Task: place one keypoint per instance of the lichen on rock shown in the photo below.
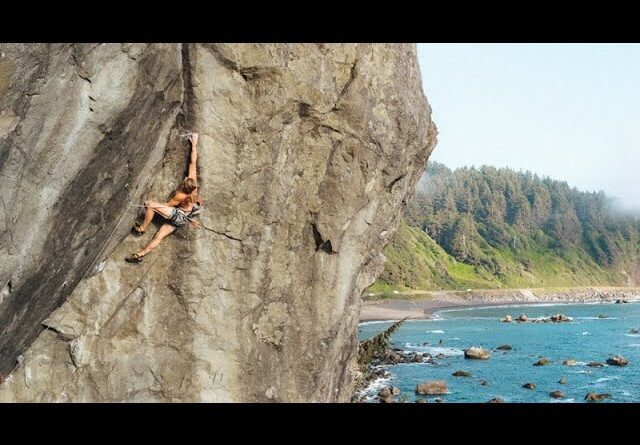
(271, 323)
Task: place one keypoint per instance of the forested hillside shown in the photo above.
(491, 227)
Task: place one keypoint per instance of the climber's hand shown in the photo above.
(193, 138)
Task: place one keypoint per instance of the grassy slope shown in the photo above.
(415, 261)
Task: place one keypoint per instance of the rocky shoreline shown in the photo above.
(376, 355)
(375, 367)
(422, 304)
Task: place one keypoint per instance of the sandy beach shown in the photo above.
(422, 304)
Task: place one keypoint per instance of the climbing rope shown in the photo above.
(130, 206)
(106, 243)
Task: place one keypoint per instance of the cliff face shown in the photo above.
(306, 155)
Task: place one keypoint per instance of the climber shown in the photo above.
(179, 211)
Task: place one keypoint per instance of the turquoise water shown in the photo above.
(587, 338)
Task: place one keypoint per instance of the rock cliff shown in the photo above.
(307, 153)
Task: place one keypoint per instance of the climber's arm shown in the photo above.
(194, 156)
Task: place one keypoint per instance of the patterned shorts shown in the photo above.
(178, 218)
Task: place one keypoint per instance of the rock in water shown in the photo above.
(595, 365)
(523, 317)
(496, 400)
(504, 348)
(306, 155)
(617, 360)
(507, 319)
(562, 381)
(542, 362)
(432, 387)
(593, 397)
(557, 394)
(395, 391)
(385, 392)
(386, 395)
(634, 331)
(569, 362)
(529, 386)
(476, 353)
(461, 374)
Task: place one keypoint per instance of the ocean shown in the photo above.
(588, 338)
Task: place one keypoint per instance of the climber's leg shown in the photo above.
(163, 231)
(154, 207)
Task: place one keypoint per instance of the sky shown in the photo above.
(568, 111)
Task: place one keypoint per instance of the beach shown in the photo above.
(422, 304)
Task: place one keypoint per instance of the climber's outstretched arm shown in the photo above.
(194, 156)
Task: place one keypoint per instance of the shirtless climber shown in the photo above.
(179, 211)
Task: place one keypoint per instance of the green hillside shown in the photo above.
(496, 228)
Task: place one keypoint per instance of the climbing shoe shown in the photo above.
(134, 258)
(137, 229)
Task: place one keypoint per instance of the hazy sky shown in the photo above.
(569, 111)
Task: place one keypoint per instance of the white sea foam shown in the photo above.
(374, 387)
(563, 401)
(365, 323)
(626, 393)
(437, 331)
(632, 335)
(634, 345)
(454, 338)
(597, 318)
(586, 333)
(606, 379)
(502, 306)
(433, 350)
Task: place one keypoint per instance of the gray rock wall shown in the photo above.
(306, 155)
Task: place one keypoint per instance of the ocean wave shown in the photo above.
(512, 306)
(421, 320)
(606, 379)
(632, 335)
(454, 338)
(437, 331)
(562, 401)
(374, 387)
(586, 333)
(634, 345)
(366, 323)
(597, 318)
(433, 350)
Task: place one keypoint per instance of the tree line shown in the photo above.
(471, 212)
